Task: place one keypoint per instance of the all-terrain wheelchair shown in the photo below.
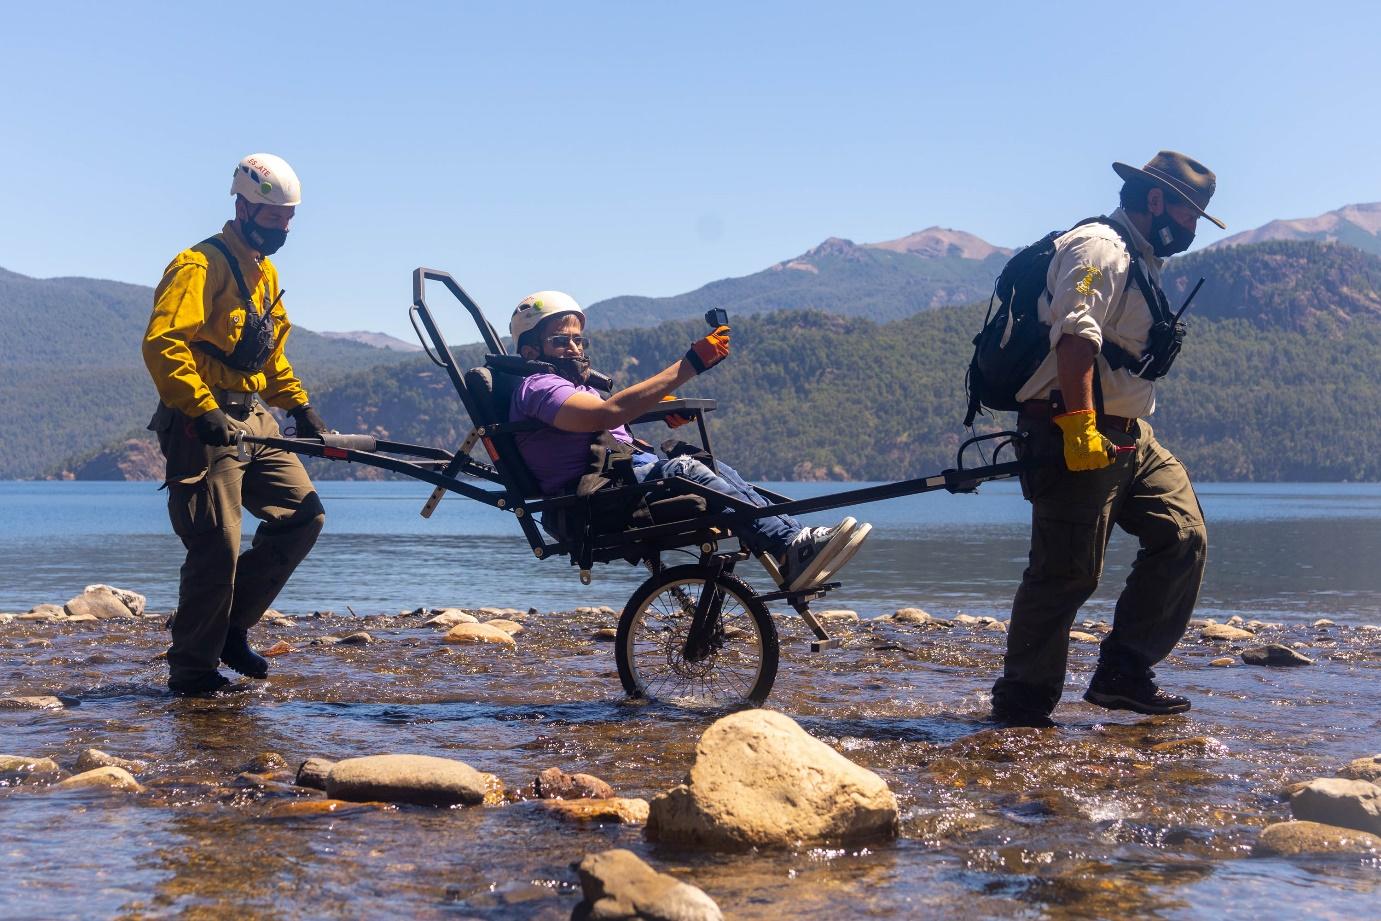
(694, 631)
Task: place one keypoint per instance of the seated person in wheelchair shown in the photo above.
(549, 326)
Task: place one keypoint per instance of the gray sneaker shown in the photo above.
(810, 551)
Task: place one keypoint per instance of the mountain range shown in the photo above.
(1352, 225)
(800, 365)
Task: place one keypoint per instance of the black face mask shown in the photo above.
(575, 370)
(1169, 237)
(266, 240)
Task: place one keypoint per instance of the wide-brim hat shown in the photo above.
(1185, 176)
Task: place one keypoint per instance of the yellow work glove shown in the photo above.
(1085, 446)
(674, 421)
(710, 351)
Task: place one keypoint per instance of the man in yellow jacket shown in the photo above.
(214, 347)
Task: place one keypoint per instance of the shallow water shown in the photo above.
(1087, 821)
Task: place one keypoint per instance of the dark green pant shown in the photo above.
(207, 487)
(1148, 495)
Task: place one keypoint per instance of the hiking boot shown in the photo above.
(1120, 691)
(839, 560)
(810, 551)
(1007, 717)
(239, 656)
(199, 686)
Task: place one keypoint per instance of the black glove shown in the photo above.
(309, 422)
(213, 428)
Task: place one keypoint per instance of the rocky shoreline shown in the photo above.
(756, 781)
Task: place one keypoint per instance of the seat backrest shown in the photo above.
(492, 392)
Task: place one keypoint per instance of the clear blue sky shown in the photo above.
(647, 148)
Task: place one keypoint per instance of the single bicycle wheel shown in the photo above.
(740, 664)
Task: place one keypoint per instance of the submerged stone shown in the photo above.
(475, 634)
(554, 783)
(613, 811)
(94, 758)
(313, 773)
(419, 779)
(1368, 768)
(1288, 839)
(1224, 632)
(109, 777)
(617, 885)
(1274, 654)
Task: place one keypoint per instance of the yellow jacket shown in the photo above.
(198, 299)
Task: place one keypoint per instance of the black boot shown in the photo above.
(238, 655)
(1016, 716)
(1120, 690)
(198, 686)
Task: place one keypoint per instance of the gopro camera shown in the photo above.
(717, 317)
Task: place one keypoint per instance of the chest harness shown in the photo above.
(256, 340)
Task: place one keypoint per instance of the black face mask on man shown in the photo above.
(575, 370)
(266, 240)
(1168, 236)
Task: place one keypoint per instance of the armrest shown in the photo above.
(690, 408)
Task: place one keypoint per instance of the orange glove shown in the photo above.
(709, 351)
(674, 421)
(1085, 446)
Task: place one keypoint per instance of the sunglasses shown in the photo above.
(563, 341)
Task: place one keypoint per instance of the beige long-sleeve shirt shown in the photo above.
(1089, 293)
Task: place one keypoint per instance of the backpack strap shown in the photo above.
(234, 268)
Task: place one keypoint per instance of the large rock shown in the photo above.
(1274, 654)
(110, 777)
(99, 602)
(914, 616)
(474, 634)
(1368, 768)
(1348, 803)
(618, 885)
(44, 612)
(419, 779)
(1223, 632)
(135, 602)
(1288, 839)
(760, 780)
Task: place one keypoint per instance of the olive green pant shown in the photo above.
(207, 487)
(1147, 493)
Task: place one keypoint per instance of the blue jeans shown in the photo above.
(771, 534)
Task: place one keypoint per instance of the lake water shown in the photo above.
(1277, 551)
(1110, 816)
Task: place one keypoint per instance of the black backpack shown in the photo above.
(1013, 341)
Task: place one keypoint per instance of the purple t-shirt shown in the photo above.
(555, 457)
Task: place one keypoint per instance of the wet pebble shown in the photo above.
(554, 783)
(913, 616)
(313, 773)
(280, 648)
(1332, 801)
(94, 758)
(109, 777)
(313, 807)
(617, 885)
(1368, 768)
(1224, 632)
(479, 634)
(1323, 622)
(837, 615)
(511, 627)
(358, 638)
(325, 641)
(1274, 654)
(25, 767)
(450, 617)
(266, 761)
(1223, 661)
(605, 635)
(1079, 636)
(611, 811)
(30, 703)
(422, 780)
(82, 619)
(1198, 745)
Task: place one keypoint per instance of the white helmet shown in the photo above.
(266, 180)
(535, 308)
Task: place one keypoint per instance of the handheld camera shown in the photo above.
(717, 317)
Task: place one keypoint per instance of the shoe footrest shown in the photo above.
(833, 642)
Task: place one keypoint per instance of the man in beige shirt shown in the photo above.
(1097, 462)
